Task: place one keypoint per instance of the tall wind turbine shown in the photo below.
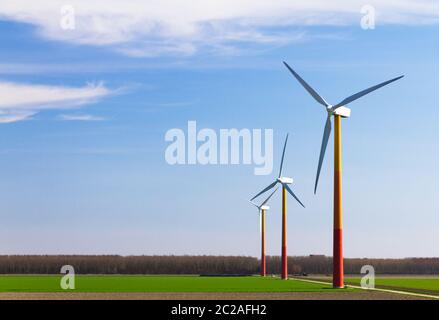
(338, 111)
(284, 181)
(262, 209)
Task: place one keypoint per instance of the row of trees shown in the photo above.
(323, 265)
(206, 265)
(129, 265)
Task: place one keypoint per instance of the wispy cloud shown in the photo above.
(80, 117)
(21, 101)
(144, 28)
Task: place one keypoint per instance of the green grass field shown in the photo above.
(426, 285)
(86, 283)
(159, 284)
(413, 284)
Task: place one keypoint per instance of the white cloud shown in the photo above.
(80, 117)
(22, 101)
(182, 27)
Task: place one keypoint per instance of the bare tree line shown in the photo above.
(205, 265)
(129, 265)
(323, 265)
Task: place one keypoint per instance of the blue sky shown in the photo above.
(84, 117)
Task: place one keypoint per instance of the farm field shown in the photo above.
(189, 287)
(416, 284)
(85, 283)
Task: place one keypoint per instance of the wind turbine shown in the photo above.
(338, 111)
(262, 209)
(284, 181)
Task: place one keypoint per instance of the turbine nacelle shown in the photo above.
(265, 208)
(285, 180)
(343, 112)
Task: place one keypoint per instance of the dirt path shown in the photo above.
(207, 296)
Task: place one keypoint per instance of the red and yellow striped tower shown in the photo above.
(337, 280)
(263, 262)
(284, 234)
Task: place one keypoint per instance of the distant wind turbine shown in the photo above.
(262, 208)
(338, 111)
(284, 181)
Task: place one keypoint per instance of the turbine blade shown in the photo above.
(364, 92)
(326, 134)
(294, 196)
(271, 186)
(266, 200)
(283, 155)
(254, 204)
(307, 87)
(260, 223)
